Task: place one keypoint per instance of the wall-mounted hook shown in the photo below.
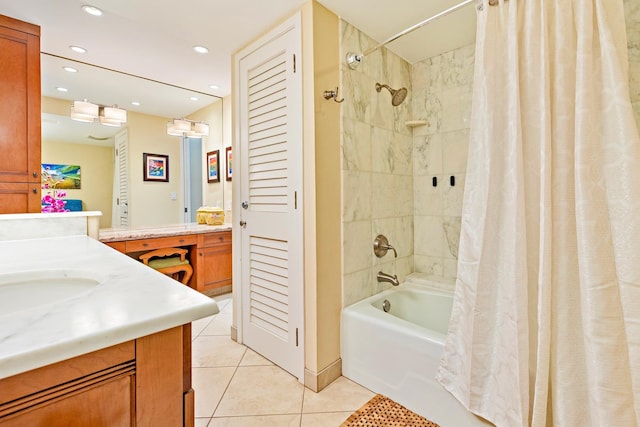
(328, 94)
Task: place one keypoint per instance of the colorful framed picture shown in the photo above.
(60, 176)
(229, 163)
(213, 166)
(156, 167)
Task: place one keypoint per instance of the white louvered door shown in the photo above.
(120, 213)
(270, 172)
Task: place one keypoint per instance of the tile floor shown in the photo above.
(236, 387)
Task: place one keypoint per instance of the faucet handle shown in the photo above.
(381, 246)
(395, 254)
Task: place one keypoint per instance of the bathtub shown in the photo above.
(397, 353)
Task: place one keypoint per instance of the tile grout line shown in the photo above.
(304, 390)
(228, 384)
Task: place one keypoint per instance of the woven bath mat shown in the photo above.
(384, 412)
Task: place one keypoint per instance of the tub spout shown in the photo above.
(384, 277)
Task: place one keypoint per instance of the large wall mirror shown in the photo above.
(112, 174)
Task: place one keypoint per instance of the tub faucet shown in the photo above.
(384, 277)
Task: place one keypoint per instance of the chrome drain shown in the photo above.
(386, 306)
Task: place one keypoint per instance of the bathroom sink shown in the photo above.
(32, 289)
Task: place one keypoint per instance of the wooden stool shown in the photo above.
(169, 261)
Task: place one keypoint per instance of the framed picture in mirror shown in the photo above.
(213, 166)
(156, 167)
(229, 164)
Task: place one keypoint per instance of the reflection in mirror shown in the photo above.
(111, 158)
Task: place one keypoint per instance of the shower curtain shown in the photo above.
(545, 327)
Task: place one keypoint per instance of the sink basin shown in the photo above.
(32, 289)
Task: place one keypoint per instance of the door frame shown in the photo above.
(187, 182)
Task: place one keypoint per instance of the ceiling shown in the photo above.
(154, 39)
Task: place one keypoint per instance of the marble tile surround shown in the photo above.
(377, 167)
(443, 87)
(377, 149)
(632, 18)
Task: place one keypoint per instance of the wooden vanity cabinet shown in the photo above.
(214, 253)
(209, 255)
(20, 122)
(144, 382)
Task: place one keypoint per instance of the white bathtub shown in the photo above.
(397, 353)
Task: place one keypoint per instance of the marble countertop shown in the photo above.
(131, 233)
(129, 301)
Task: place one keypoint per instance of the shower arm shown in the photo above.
(354, 59)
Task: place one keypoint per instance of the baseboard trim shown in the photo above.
(318, 381)
(234, 333)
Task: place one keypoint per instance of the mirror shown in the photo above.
(93, 146)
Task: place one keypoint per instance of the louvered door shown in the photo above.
(121, 175)
(270, 172)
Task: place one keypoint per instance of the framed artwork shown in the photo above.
(229, 164)
(65, 177)
(213, 166)
(155, 167)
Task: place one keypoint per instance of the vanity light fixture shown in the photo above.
(201, 49)
(92, 10)
(78, 49)
(85, 111)
(188, 128)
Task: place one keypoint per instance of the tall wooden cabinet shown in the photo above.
(19, 116)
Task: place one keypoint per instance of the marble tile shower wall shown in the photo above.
(377, 167)
(388, 168)
(442, 88)
(632, 15)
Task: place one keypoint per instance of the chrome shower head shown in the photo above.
(397, 95)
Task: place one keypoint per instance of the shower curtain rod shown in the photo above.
(354, 59)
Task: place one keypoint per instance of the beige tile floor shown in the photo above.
(236, 387)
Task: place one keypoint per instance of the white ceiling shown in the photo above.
(154, 39)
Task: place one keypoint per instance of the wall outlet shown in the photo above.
(173, 195)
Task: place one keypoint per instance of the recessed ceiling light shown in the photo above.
(70, 69)
(194, 98)
(92, 10)
(62, 89)
(78, 49)
(200, 49)
(214, 87)
(136, 103)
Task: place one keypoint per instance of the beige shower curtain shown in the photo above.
(545, 328)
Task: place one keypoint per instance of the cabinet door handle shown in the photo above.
(35, 174)
(145, 244)
(35, 190)
(181, 240)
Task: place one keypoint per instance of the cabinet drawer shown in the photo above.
(48, 377)
(212, 239)
(118, 246)
(160, 242)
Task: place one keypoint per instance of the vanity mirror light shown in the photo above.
(111, 158)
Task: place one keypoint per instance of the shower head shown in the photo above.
(397, 95)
